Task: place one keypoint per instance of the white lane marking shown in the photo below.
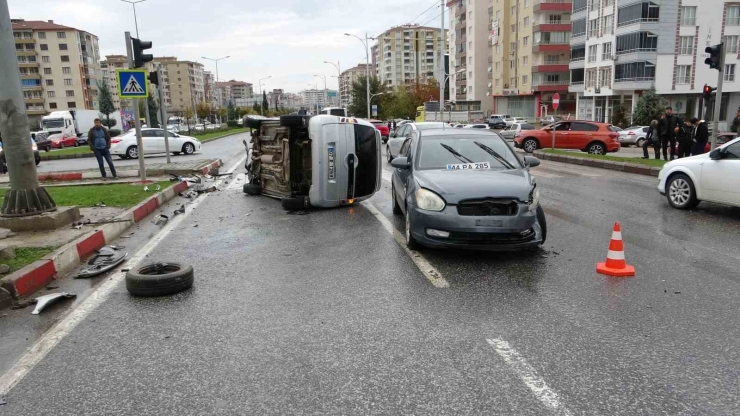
(236, 182)
(51, 338)
(429, 271)
(529, 376)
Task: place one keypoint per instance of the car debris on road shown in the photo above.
(43, 301)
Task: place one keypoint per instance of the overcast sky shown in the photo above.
(285, 39)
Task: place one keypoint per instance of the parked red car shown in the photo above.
(61, 140)
(587, 136)
(383, 128)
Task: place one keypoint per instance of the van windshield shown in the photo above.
(53, 123)
(366, 150)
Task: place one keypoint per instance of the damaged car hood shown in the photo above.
(456, 186)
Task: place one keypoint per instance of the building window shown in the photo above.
(49, 82)
(66, 70)
(498, 14)
(42, 35)
(592, 51)
(61, 35)
(638, 12)
(513, 83)
(636, 42)
(526, 3)
(512, 46)
(688, 16)
(733, 16)
(686, 45)
(525, 41)
(52, 106)
(45, 59)
(594, 5)
(511, 64)
(498, 66)
(71, 104)
(65, 58)
(498, 49)
(52, 94)
(44, 47)
(68, 81)
(70, 93)
(470, 59)
(62, 46)
(47, 71)
(526, 21)
(578, 28)
(604, 77)
(593, 28)
(684, 74)
(498, 83)
(606, 51)
(608, 3)
(634, 72)
(729, 72)
(607, 25)
(731, 44)
(513, 10)
(524, 80)
(513, 28)
(525, 61)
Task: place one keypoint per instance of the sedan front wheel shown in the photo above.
(529, 145)
(597, 149)
(188, 148)
(681, 192)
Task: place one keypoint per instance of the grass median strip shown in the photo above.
(114, 195)
(25, 256)
(635, 160)
(218, 134)
(69, 151)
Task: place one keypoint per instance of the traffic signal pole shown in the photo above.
(137, 115)
(718, 98)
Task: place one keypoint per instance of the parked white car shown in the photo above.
(708, 177)
(520, 120)
(477, 126)
(125, 147)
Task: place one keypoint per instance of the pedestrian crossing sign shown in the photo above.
(132, 83)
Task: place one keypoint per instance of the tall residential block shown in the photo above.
(470, 54)
(108, 68)
(59, 67)
(407, 53)
(347, 78)
(184, 82)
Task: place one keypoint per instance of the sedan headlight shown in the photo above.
(534, 199)
(429, 201)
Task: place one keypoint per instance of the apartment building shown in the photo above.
(531, 46)
(234, 91)
(471, 47)
(324, 98)
(348, 78)
(59, 67)
(164, 82)
(407, 53)
(209, 89)
(108, 69)
(184, 82)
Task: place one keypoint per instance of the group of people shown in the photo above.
(691, 135)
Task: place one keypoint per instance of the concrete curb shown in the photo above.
(85, 155)
(38, 275)
(602, 164)
(75, 176)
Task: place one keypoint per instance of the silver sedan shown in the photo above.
(634, 135)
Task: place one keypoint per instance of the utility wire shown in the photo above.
(436, 3)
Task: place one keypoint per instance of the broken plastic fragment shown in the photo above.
(181, 210)
(161, 219)
(43, 301)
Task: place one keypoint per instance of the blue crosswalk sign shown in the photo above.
(132, 83)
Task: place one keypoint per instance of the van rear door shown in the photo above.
(367, 152)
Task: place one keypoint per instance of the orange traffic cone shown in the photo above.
(615, 264)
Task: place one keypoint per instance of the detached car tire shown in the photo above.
(292, 121)
(252, 189)
(159, 279)
(295, 203)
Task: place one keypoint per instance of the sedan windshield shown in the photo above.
(481, 151)
(430, 126)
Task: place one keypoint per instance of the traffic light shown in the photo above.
(715, 56)
(140, 58)
(708, 92)
(153, 78)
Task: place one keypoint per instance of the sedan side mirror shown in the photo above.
(531, 161)
(401, 163)
(715, 154)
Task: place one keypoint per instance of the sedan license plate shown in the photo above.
(489, 223)
(469, 166)
(332, 171)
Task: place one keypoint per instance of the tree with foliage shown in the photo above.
(648, 108)
(223, 113)
(231, 110)
(105, 103)
(358, 107)
(203, 110)
(257, 108)
(265, 104)
(188, 114)
(153, 112)
(619, 115)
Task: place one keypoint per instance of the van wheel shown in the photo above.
(530, 145)
(396, 207)
(252, 189)
(295, 203)
(292, 121)
(253, 123)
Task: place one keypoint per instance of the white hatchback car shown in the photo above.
(708, 177)
(125, 147)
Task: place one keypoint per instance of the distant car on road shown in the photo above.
(588, 136)
(125, 147)
(634, 135)
(706, 177)
(520, 120)
(466, 188)
(62, 140)
(497, 123)
(550, 119)
(383, 128)
(42, 141)
(478, 126)
(4, 164)
(510, 132)
(408, 130)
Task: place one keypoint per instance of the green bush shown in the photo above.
(114, 132)
(232, 124)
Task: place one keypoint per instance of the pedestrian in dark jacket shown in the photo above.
(700, 136)
(652, 139)
(685, 139)
(99, 140)
(668, 128)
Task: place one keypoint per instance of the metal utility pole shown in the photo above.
(262, 110)
(163, 112)
(718, 98)
(216, 81)
(136, 24)
(339, 80)
(442, 62)
(326, 94)
(25, 197)
(137, 115)
(367, 67)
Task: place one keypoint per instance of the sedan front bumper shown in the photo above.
(493, 233)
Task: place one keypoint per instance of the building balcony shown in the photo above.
(25, 52)
(30, 76)
(576, 86)
(35, 111)
(551, 47)
(552, 5)
(577, 63)
(461, 96)
(461, 40)
(28, 64)
(560, 66)
(632, 84)
(552, 27)
(550, 86)
(32, 87)
(24, 40)
(461, 24)
(35, 100)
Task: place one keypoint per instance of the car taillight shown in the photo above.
(632, 133)
(114, 141)
(613, 135)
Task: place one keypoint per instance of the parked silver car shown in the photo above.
(510, 132)
(408, 130)
(634, 135)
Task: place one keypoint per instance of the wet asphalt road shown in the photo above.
(215, 149)
(325, 314)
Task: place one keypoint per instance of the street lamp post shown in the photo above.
(326, 95)
(133, 4)
(367, 67)
(262, 109)
(339, 80)
(375, 95)
(216, 61)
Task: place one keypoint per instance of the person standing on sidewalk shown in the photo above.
(668, 129)
(99, 140)
(652, 139)
(685, 138)
(700, 136)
